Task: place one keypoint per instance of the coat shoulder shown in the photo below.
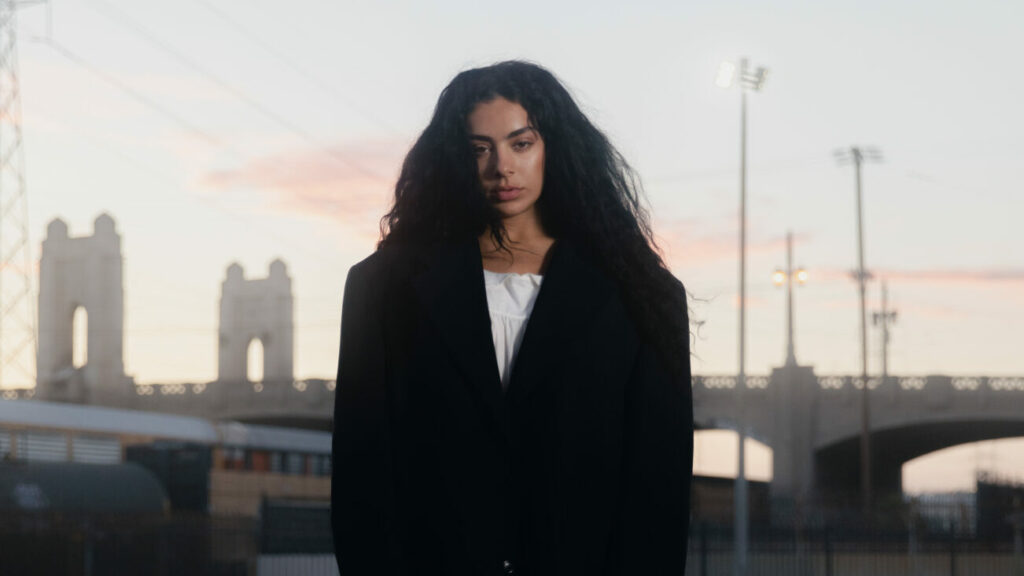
(389, 263)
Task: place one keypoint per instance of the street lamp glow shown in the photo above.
(779, 277)
(787, 277)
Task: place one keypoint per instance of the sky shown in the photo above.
(228, 131)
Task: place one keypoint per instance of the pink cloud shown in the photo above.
(753, 301)
(966, 276)
(952, 275)
(905, 308)
(685, 247)
(351, 185)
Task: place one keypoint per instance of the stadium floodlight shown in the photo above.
(726, 75)
(729, 76)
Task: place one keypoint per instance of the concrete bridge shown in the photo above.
(812, 423)
(298, 404)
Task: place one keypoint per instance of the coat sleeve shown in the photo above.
(362, 480)
(652, 535)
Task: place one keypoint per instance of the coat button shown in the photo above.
(508, 568)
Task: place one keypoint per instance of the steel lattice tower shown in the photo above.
(17, 313)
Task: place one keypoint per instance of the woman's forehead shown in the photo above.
(498, 118)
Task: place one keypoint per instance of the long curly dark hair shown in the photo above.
(590, 194)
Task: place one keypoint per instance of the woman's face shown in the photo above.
(509, 156)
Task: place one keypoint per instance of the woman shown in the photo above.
(469, 440)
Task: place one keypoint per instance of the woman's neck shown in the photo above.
(528, 243)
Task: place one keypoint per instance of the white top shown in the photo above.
(510, 299)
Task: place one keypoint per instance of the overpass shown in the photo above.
(812, 423)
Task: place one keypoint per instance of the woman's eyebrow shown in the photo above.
(512, 134)
(515, 133)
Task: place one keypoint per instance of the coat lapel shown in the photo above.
(571, 293)
(452, 291)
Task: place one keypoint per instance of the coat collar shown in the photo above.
(452, 291)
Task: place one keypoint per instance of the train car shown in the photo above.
(237, 465)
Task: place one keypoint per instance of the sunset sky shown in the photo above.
(224, 131)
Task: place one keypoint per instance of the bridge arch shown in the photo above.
(957, 468)
(255, 361)
(729, 424)
(837, 464)
(79, 337)
(715, 454)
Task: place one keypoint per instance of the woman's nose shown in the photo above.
(504, 163)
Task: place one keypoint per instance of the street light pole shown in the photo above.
(858, 156)
(747, 80)
(787, 276)
(741, 498)
(790, 352)
(865, 437)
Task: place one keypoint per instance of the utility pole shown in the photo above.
(746, 79)
(884, 318)
(857, 156)
(17, 310)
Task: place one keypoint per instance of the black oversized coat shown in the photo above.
(581, 467)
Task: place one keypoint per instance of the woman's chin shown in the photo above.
(513, 209)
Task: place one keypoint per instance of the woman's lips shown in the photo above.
(506, 194)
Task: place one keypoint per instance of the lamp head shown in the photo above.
(779, 277)
(726, 75)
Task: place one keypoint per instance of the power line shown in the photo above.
(123, 20)
(174, 185)
(312, 78)
(98, 142)
(234, 215)
(156, 107)
(134, 94)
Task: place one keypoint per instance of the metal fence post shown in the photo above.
(828, 553)
(952, 549)
(704, 548)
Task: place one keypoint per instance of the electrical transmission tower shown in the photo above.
(17, 314)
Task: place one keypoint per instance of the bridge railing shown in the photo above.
(847, 382)
(199, 388)
(711, 382)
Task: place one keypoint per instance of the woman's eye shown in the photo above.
(522, 144)
(480, 150)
